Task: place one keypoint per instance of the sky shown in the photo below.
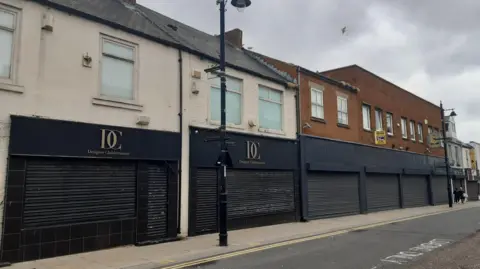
(428, 47)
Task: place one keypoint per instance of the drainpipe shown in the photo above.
(180, 116)
(298, 99)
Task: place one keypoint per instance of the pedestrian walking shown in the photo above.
(456, 196)
(462, 195)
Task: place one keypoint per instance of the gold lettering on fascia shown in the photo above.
(253, 153)
(110, 143)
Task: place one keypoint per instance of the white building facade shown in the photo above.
(96, 111)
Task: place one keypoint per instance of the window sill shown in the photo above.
(229, 125)
(367, 130)
(343, 125)
(110, 102)
(414, 141)
(271, 131)
(318, 120)
(405, 138)
(390, 135)
(11, 88)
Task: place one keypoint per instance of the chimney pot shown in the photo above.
(235, 37)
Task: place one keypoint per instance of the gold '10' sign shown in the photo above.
(253, 150)
(110, 139)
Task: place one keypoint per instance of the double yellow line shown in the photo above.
(295, 241)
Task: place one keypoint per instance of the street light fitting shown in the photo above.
(241, 4)
(453, 114)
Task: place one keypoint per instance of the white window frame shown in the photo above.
(366, 125)
(130, 45)
(282, 117)
(440, 135)
(240, 92)
(315, 104)
(403, 123)
(341, 113)
(430, 130)
(11, 83)
(420, 132)
(378, 119)
(412, 130)
(389, 115)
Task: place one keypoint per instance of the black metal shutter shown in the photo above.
(439, 190)
(253, 193)
(383, 192)
(332, 194)
(152, 203)
(472, 189)
(206, 202)
(68, 191)
(415, 191)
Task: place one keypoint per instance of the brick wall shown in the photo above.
(328, 127)
(379, 93)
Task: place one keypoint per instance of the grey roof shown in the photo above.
(147, 23)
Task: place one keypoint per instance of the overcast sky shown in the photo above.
(428, 47)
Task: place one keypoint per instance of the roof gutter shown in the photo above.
(153, 38)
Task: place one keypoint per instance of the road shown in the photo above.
(391, 246)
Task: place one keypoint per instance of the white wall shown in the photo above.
(53, 83)
(466, 158)
(196, 112)
(452, 127)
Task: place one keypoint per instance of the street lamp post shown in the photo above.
(445, 148)
(224, 155)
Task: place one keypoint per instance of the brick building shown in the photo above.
(319, 96)
(350, 103)
(407, 118)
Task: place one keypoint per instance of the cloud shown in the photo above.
(427, 47)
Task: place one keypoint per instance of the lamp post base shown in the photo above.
(223, 240)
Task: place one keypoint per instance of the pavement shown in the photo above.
(345, 242)
(390, 246)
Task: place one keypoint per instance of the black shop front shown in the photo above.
(262, 184)
(76, 187)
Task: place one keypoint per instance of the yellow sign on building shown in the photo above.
(473, 159)
(434, 141)
(380, 137)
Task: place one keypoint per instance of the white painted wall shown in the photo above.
(196, 112)
(452, 127)
(466, 158)
(53, 83)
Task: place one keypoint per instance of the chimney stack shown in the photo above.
(235, 37)
(131, 2)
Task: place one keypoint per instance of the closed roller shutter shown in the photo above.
(472, 189)
(415, 191)
(253, 193)
(206, 203)
(383, 192)
(152, 204)
(61, 191)
(439, 190)
(332, 194)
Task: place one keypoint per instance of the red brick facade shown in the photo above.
(387, 97)
(373, 91)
